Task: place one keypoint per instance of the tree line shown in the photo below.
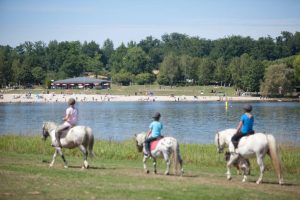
(267, 64)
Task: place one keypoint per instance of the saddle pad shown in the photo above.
(153, 144)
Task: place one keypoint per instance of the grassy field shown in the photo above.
(143, 90)
(116, 173)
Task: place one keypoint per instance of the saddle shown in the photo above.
(154, 143)
(237, 141)
(65, 131)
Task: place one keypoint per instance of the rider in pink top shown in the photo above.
(71, 116)
(70, 120)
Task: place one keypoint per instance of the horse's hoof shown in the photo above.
(258, 182)
(229, 178)
(167, 173)
(155, 172)
(147, 171)
(85, 164)
(66, 166)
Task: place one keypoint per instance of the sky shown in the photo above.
(134, 20)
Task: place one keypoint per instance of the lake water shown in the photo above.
(189, 122)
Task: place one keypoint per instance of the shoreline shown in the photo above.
(61, 98)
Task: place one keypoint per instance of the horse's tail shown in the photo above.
(274, 157)
(176, 156)
(90, 141)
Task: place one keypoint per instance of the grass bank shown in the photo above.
(116, 173)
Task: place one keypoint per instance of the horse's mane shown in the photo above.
(50, 125)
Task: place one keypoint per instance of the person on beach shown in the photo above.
(154, 132)
(70, 120)
(245, 126)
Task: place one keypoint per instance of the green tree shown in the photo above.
(144, 78)
(277, 80)
(5, 66)
(222, 74)
(90, 49)
(296, 66)
(170, 72)
(153, 48)
(188, 66)
(206, 71)
(246, 73)
(135, 60)
(123, 78)
(94, 64)
(107, 50)
(38, 74)
(264, 49)
(73, 66)
(116, 61)
(24, 74)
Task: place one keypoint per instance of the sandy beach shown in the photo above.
(52, 98)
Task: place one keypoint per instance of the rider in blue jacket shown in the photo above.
(245, 126)
(154, 132)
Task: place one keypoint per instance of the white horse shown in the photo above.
(258, 145)
(166, 146)
(78, 136)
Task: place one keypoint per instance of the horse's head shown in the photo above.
(140, 139)
(46, 128)
(45, 132)
(219, 142)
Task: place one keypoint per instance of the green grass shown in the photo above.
(116, 173)
(143, 89)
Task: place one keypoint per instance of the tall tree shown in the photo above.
(135, 60)
(107, 50)
(222, 74)
(296, 66)
(170, 72)
(116, 61)
(206, 71)
(5, 66)
(246, 73)
(277, 80)
(90, 49)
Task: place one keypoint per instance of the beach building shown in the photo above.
(81, 82)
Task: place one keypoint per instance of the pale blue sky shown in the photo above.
(126, 20)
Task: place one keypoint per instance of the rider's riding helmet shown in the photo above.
(71, 101)
(247, 108)
(156, 116)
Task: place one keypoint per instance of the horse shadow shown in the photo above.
(80, 167)
(275, 183)
(91, 167)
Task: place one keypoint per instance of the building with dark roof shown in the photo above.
(81, 82)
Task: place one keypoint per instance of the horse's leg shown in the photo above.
(181, 164)
(145, 166)
(261, 165)
(154, 165)
(244, 175)
(232, 158)
(62, 156)
(53, 158)
(85, 154)
(167, 159)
